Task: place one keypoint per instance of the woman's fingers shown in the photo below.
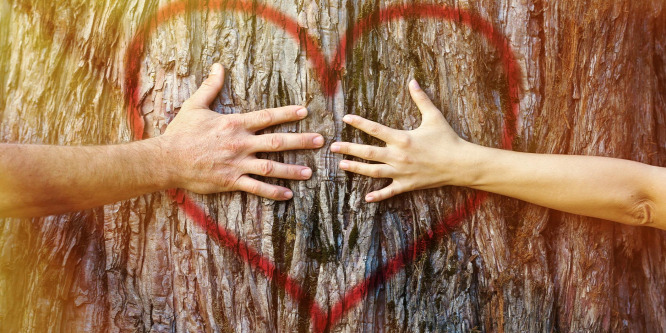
(383, 194)
(374, 171)
(410, 157)
(366, 152)
(247, 184)
(377, 130)
(274, 169)
(367, 169)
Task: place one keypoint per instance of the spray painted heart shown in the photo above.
(328, 77)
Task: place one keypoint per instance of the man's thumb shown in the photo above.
(209, 89)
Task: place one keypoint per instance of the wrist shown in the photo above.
(470, 164)
(163, 162)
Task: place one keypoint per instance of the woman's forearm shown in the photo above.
(607, 188)
(434, 155)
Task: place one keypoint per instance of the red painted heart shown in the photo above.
(328, 74)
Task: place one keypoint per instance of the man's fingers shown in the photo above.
(366, 169)
(428, 110)
(274, 169)
(383, 194)
(286, 141)
(251, 185)
(367, 152)
(258, 120)
(377, 130)
(209, 89)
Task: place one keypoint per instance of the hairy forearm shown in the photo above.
(613, 189)
(41, 180)
(201, 151)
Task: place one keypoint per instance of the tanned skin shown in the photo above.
(201, 151)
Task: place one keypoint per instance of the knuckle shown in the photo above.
(376, 173)
(206, 84)
(267, 168)
(274, 193)
(404, 158)
(421, 97)
(255, 188)
(235, 146)
(230, 123)
(226, 183)
(209, 83)
(275, 142)
(369, 154)
(403, 140)
(305, 141)
(374, 129)
(265, 117)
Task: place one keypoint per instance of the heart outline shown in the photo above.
(327, 74)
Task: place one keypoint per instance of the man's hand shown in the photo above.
(201, 150)
(209, 152)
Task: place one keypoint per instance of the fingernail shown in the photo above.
(415, 85)
(347, 118)
(288, 194)
(344, 165)
(318, 141)
(216, 69)
(302, 112)
(335, 147)
(306, 173)
(369, 198)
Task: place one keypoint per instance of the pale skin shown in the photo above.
(433, 155)
(201, 151)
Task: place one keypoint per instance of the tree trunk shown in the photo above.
(593, 81)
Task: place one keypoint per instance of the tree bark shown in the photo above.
(593, 82)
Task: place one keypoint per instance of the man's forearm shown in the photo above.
(606, 188)
(40, 180)
(201, 151)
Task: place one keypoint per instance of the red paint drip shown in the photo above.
(328, 75)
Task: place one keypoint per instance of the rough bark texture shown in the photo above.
(594, 82)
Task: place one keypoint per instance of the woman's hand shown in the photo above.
(432, 155)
